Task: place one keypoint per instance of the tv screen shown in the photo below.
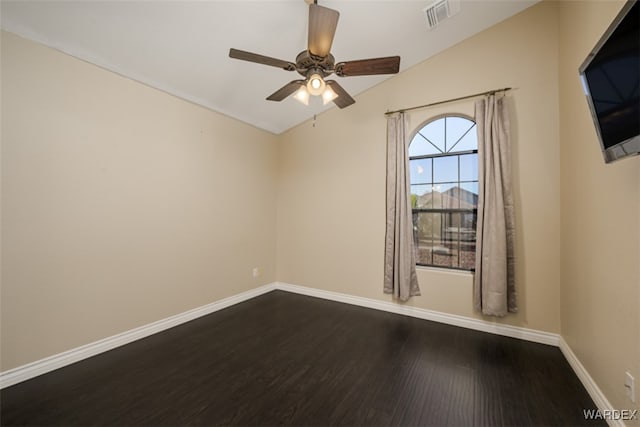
(611, 80)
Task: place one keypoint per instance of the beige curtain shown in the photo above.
(399, 258)
(494, 280)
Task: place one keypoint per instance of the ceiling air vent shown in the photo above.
(440, 10)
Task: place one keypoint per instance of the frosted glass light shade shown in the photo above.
(302, 95)
(328, 95)
(316, 84)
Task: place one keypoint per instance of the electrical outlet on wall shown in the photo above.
(630, 386)
(256, 271)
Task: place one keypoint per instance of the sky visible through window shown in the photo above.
(454, 134)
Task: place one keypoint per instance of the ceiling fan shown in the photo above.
(316, 63)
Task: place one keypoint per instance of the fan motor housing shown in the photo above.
(305, 62)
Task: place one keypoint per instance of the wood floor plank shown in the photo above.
(286, 359)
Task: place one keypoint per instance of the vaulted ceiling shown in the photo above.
(182, 47)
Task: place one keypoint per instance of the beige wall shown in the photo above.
(331, 215)
(121, 205)
(600, 222)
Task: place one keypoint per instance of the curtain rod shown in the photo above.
(489, 92)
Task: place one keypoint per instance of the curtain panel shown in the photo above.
(400, 277)
(494, 280)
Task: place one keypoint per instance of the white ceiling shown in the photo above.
(182, 47)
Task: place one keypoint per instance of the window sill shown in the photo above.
(465, 273)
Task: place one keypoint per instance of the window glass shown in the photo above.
(443, 164)
(434, 133)
(468, 167)
(420, 171)
(421, 147)
(445, 169)
(468, 142)
(457, 127)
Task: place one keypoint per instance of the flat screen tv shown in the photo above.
(611, 80)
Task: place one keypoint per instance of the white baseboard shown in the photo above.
(594, 391)
(421, 313)
(48, 364)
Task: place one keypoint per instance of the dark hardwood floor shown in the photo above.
(286, 359)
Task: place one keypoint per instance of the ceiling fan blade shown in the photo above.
(261, 59)
(368, 67)
(344, 99)
(322, 27)
(285, 90)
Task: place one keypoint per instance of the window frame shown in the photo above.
(443, 210)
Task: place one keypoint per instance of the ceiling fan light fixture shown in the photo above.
(316, 84)
(328, 95)
(316, 62)
(302, 95)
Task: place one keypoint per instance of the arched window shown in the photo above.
(443, 161)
